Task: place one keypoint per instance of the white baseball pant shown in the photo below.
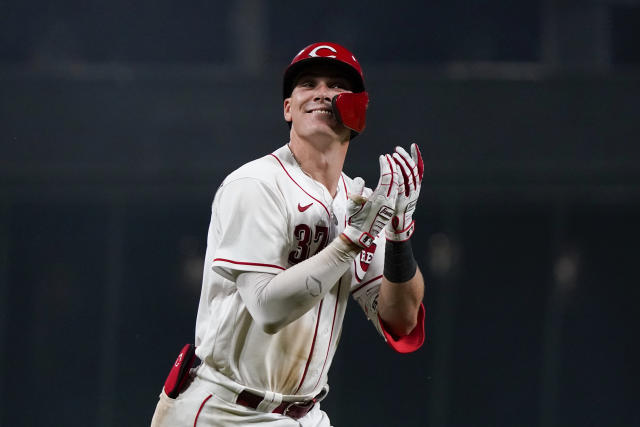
(203, 403)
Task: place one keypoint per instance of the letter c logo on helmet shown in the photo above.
(314, 52)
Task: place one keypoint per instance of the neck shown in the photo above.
(323, 162)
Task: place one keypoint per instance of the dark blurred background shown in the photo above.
(119, 120)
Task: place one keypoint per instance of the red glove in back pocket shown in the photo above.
(179, 373)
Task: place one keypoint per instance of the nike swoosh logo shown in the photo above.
(304, 208)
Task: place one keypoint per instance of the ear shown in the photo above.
(287, 109)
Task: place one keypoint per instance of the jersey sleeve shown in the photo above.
(250, 229)
(365, 289)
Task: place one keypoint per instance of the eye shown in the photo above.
(339, 84)
(305, 83)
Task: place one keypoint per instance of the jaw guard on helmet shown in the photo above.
(351, 110)
(348, 108)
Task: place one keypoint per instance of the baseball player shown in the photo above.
(291, 239)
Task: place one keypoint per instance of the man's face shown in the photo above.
(309, 106)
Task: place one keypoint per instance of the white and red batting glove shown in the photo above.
(411, 169)
(368, 216)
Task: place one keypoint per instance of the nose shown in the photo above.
(322, 92)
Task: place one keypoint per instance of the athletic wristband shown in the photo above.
(399, 263)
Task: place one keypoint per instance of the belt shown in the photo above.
(294, 410)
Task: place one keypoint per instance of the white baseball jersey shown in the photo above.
(267, 216)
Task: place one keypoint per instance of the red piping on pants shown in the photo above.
(201, 406)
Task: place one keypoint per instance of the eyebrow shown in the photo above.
(333, 74)
(316, 74)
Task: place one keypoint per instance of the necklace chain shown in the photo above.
(323, 189)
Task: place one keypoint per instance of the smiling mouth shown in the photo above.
(322, 112)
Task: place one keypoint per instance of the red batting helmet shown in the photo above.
(324, 53)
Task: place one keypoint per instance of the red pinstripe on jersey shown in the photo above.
(366, 283)
(333, 323)
(346, 195)
(248, 263)
(296, 183)
(313, 344)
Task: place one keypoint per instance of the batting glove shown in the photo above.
(368, 216)
(411, 168)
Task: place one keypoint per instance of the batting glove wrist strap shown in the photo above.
(367, 217)
(362, 239)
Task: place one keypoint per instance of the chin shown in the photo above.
(323, 131)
